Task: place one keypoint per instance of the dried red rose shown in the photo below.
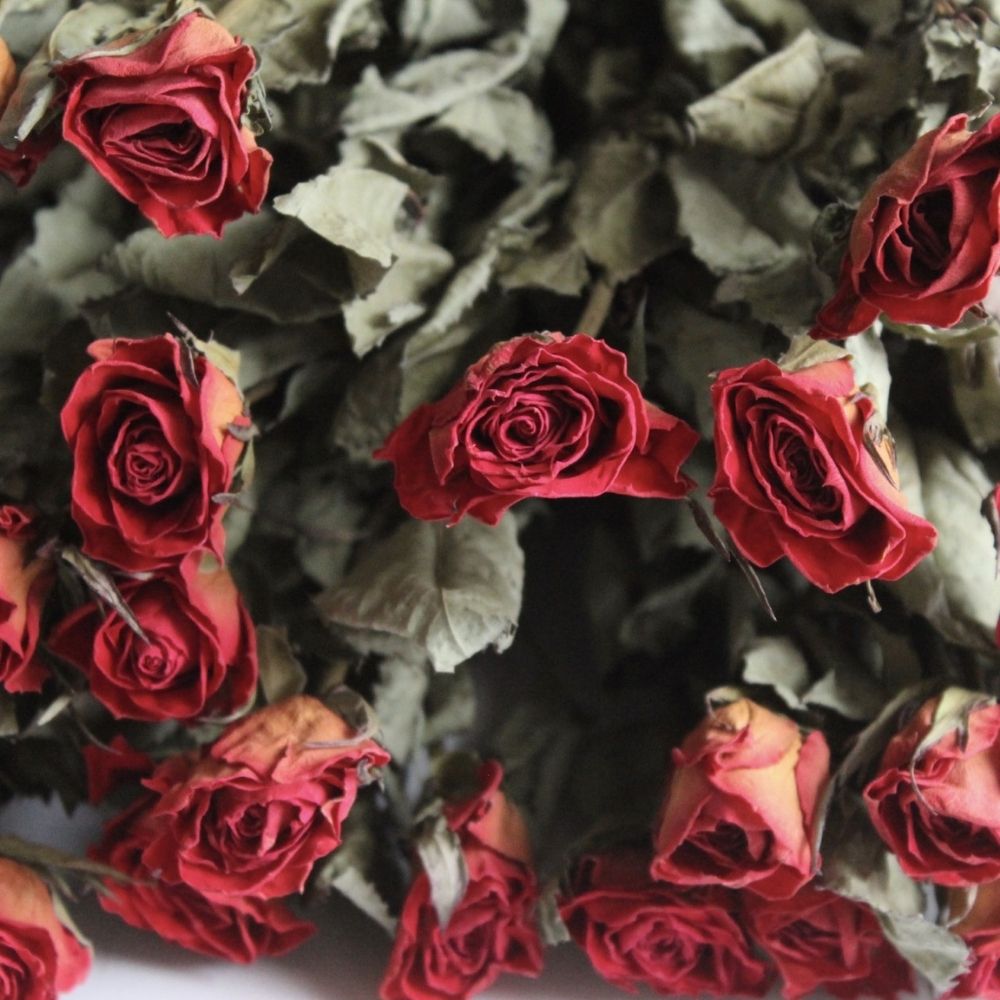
(197, 656)
(19, 163)
(493, 929)
(24, 584)
(937, 806)
(150, 427)
(741, 805)
(539, 416)
(820, 940)
(637, 932)
(804, 470)
(162, 125)
(239, 929)
(925, 243)
(39, 957)
(251, 815)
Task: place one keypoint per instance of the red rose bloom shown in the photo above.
(980, 929)
(198, 657)
(251, 815)
(821, 940)
(24, 585)
(108, 767)
(235, 928)
(149, 425)
(804, 471)
(39, 957)
(162, 125)
(493, 928)
(939, 809)
(678, 942)
(925, 243)
(741, 806)
(540, 416)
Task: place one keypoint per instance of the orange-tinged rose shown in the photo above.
(38, 955)
(8, 74)
(741, 806)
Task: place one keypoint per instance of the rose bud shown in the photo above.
(980, 929)
(107, 767)
(493, 928)
(804, 470)
(196, 658)
(150, 426)
(820, 940)
(24, 584)
(293, 767)
(936, 805)
(235, 928)
(162, 125)
(741, 804)
(19, 163)
(678, 942)
(39, 957)
(925, 243)
(539, 416)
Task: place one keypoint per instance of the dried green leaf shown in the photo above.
(760, 113)
(329, 205)
(620, 210)
(443, 862)
(281, 674)
(430, 86)
(779, 663)
(398, 698)
(428, 590)
(298, 40)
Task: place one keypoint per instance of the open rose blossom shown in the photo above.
(39, 957)
(678, 942)
(820, 940)
(239, 929)
(539, 416)
(252, 813)
(925, 243)
(162, 125)
(804, 470)
(741, 805)
(197, 656)
(24, 584)
(939, 809)
(150, 425)
(493, 929)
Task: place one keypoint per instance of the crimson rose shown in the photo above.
(821, 940)
(24, 585)
(937, 807)
(539, 416)
(39, 957)
(150, 427)
(162, 125)
(236, 928)
(493, 928)
(925, 243)
(804, 470)
(741, 805)
(198, 656)
(678, 942)
(252, 813)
